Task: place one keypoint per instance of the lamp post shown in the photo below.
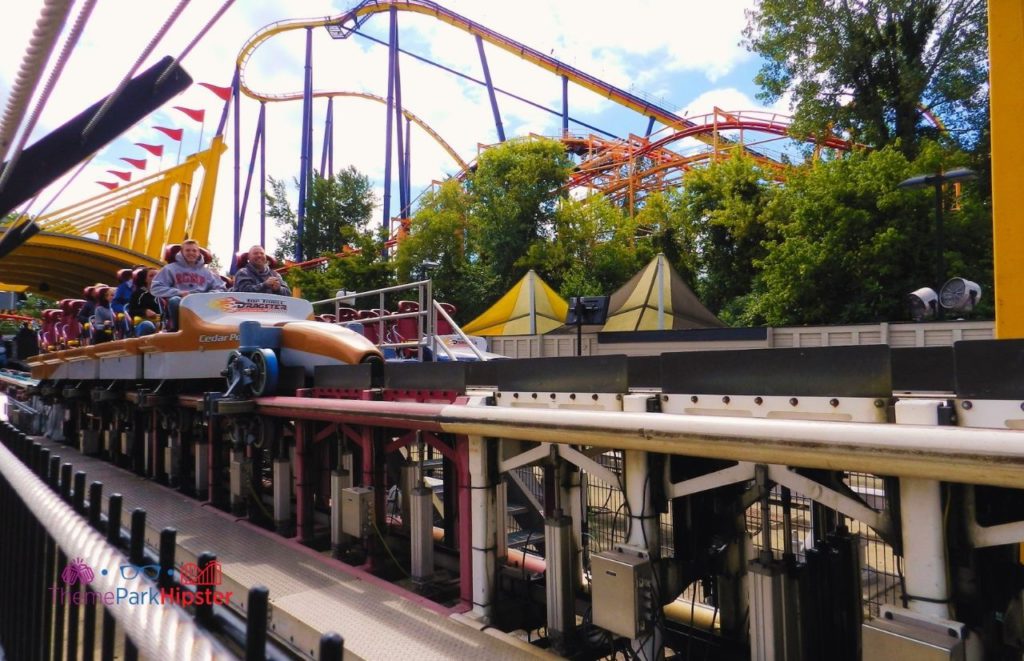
(937, 180)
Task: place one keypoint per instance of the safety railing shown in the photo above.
(76, 585)
(425, 324)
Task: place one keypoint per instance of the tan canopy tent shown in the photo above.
(656, 298)
(531, 307)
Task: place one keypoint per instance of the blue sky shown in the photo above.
(683, 55)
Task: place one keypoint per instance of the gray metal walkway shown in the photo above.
(310, 594)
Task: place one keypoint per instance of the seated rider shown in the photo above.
(257, 276)
(143, 307)
(103, 319)
(187, 274)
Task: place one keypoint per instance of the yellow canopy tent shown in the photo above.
(656, 298)
(531, 307)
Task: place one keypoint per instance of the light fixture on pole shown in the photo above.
(936, 181)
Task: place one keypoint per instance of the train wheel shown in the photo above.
(265, 372)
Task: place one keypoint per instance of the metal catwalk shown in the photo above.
(310, 594)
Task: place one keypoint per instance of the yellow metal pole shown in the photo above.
(199, 223)
(1006, 77)
(140, 231)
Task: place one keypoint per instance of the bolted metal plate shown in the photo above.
(426, 376)
(923, 369)
(990, 369)
(859, 371)
(580, 374)
(482, 372)
(354, 377)
(644, 371)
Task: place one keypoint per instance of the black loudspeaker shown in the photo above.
(587, 310)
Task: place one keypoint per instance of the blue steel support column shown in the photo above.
(228, 104)
(304, 159)
(650, 126)
(238, 149)
(263, 184)
(328, 137)
(260, 125)
(408, 168)
(386, 221)
(490, 90)
(565, 105)
(400, 153)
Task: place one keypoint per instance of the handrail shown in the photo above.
(952, 454)
(159, 631)
(426, 328)
(458, 331)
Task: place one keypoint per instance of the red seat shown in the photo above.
(346, 314)
(71, 329)
(443, 327)
(326, 318)
(372, 327)
(48, 332)
(242, 258)
(407, 328)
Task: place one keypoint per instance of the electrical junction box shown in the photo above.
(622, 592)
(356, 511)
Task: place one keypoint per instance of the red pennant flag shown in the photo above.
(173, 134)
(140, 163)
(198, 115)
(123, 176)
(223, 92)
(109, 185)
(155, 150)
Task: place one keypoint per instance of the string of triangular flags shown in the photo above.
(175, 134)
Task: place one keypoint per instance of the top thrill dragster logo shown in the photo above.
(232, 305)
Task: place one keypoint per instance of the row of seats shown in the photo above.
(398, 330)
(61, 328)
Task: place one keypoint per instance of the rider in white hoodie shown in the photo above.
(187, 274)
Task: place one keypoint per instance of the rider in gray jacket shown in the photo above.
(257, 276)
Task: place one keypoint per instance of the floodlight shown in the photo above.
(923, 303)
(959, 295)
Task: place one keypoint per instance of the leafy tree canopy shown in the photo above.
(513, 196)
(361, 269)
(337, 208)
(869, 66)
(724, 229)
(850, 245)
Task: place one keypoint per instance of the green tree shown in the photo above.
(363, 268)
(592, 249)
(851, 244)
(441, 245)
(870, 67)
(514, 193)
(336, 209)
(725, 230)
(662, 227)
(474, 237)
